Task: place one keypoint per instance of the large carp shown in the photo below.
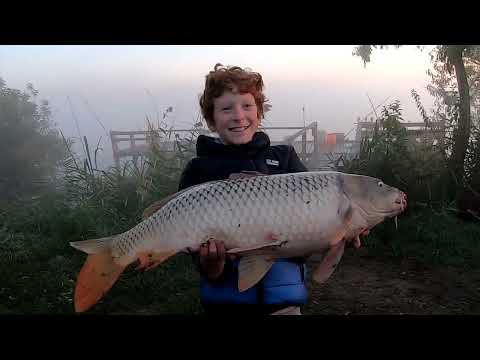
(261, 218)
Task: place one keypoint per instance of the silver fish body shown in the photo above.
(262, 218)
(243, 213)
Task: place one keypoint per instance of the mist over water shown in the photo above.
(117, 87)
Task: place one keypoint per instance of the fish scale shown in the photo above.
(216, 209)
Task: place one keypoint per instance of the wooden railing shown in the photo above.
(435, 130)
(139, 142)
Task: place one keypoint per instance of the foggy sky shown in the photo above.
(121, 85)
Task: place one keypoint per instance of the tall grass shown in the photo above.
(430, 229)
(38, 268)
(420, 169)
(429, 234)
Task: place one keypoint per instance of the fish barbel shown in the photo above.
(259, 217)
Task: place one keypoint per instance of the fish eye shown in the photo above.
(380, 184)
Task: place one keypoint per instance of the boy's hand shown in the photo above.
(212, 258)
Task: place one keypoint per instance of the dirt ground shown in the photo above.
(364, 284)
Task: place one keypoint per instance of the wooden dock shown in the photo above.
(315, 150)
(137, 144)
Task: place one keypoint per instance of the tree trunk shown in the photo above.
(463, 131)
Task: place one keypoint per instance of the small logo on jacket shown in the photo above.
(272, 162)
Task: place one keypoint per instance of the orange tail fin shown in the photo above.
(96, 278)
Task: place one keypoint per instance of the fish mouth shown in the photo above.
(402, 201)
(239, 129)
(399, 206)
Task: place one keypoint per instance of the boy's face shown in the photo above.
(236, 117)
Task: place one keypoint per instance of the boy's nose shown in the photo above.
(238, 113)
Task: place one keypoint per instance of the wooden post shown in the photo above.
(315, 143)
(304, 146)
(113, 140)
(132, 141)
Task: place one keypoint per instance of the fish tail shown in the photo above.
(97, 275)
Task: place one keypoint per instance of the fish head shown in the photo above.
(373, 200)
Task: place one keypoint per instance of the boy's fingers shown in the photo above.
(203, 250)
(212, 250)
(220, 249)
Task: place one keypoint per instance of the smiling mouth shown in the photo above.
(239, 128)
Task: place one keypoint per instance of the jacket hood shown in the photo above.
(213, 147)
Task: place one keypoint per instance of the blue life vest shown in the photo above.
(283, 284)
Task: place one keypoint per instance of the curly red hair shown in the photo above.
(231, 78)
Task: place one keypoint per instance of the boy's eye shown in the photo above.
(226, 108)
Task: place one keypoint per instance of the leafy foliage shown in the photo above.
(418, 168)
(444, 89)
(365, 51)
(90, 203)
(452, 58)
(31, 147)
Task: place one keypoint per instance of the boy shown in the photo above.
(233, 104)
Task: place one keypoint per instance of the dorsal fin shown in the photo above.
(245, 174)
(149, 211)
(152, 209)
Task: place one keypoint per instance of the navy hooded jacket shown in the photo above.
(284, 284)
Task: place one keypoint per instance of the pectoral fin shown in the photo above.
(329, 263)
(252, 269)
(357, 241)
